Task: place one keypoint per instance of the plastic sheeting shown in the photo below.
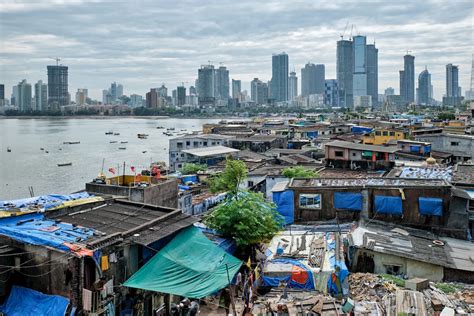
(284, 201)
(28, 302)
(388, 205)
(338, 283)
(430, 206)
(34, 229)
(359, 130)
(43, 202)
(190, 178)
(301, 277)
(348, 201)
(190, 265)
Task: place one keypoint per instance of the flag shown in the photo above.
(112, 170)
(138, 178)
(132, 168)
(249, 263)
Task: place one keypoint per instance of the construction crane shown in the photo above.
(57, 59)
(408, 51)
(344, 32)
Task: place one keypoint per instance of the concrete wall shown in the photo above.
(445, 143)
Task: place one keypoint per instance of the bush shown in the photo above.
(192, 168)
(299, 172)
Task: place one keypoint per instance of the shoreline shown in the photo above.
(98, 117)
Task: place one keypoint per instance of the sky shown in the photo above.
(142, 44)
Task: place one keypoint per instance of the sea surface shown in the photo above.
(27, 165)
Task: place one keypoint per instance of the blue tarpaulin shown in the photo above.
(359, 130)
(34, 229)
(430, 206)
(312, 135)
(340, 274)
(301, 276)
(27, 302)
(284, 201)
(190, 178)
(44, 201)
(388, 205)
(348, 201)
(184, 187)
(415, 149)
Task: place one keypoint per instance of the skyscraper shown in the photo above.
(81, 96)
(136, 100)
(373, 73)
(113, 91)
(453, 95)
(280, 77)
(206, 85)
(236, 88)
(181, 95)
(163, 91)
(57, 86)
(292, 86)
(14, 97)
(331, 94)
(119, 91)
(407, 79)
(2, 92)
(222, 83)
(344, 71)
(312, 79)
(41, 96)
(152, 99)
(424, 88)
(359, 84)
(24, 96)
(258, 91)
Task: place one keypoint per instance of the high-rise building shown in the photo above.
(106, 96)
(373, 73)
(344, 71)
(407, 79)
(359, 84)
(423, 92)
(119, 91)
(389, 91)
(2, 92)
(236, 88)
(331, 94)
(453, 93)
(81, 96)
(192, 90)
(136, 101)
(258, 91)
(57, 86)
(312, 79)
(24, 96)
(152, 99)
(280, 77)
(163, 91)
(41, 96)
(222, 83)
(181, 95)
(292, 86)
(14, 96)
(206, 85)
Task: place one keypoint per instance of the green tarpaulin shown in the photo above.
(190, 265)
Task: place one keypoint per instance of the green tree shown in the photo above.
(445, 116)
(299, 172)
(247, 218)
(229, 180)
(192, 168)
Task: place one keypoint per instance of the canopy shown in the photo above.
(190, 265)
(26, 302)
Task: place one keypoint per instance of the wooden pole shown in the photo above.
(123, 174)
(231, 291)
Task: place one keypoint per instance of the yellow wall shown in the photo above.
(383, 138)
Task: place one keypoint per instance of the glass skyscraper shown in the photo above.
(407, 79)
(57, 86)
(280, 77)
(312, 79)
(344, 72)
(424, 88)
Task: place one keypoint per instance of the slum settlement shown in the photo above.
(367, 216)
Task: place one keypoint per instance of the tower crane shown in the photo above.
(344, 32)
(57, 59)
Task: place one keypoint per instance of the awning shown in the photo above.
(190, 265)
(26, 302)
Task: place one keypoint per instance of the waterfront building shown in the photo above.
(106, 97)
(424, 88)
(136, 101)
(41, 96)
(24, 96)
(407, 79)
(181, 95)
(81, 96)
(279, 82)
(2, 92)
(206, 85)
(222, 83)
(152, 99)
(292, 86)
(57, 86)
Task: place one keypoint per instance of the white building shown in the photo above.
(41, 96)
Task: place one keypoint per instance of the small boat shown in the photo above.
(71, 143)
(9, 150)
(60, 149)
(109, 133)
(122, 148)
(113, 141)
(125, 142)
(170, 128)
(142, 136)
(159, 127)
(41, 148)
(116, 134)
(167, 134)
(46, 151)
(144, 152)
(65, 164)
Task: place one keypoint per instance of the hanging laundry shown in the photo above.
(104, 263)
(86, 300)
(113, 258)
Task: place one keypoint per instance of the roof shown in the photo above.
(204, 136)
(423, 173)
(366, 182)
(259, 138)
(464, 173)
(210, 151)
(355, 146)
(414, 244)
(190, 265)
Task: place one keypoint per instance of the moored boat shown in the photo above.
(64, 164)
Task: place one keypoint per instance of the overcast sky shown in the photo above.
(143, 44)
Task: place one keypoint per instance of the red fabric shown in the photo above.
(132, 168)
(112, 170)
(299, 275)
(138, 178)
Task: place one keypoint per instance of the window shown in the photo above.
(204, 143)
(393, 269)
(213, 143)
(195, 144)
(454, 143)
(378, 133)
(339, 153)
(179, 145)
(182, 155)
(250, 184)
(385, 133)
(392, 133)
(310, 201)
(353, 154)
(188, 143)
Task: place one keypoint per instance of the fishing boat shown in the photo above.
(159, 127)
(41, 148)
(113, 141)
(144, 152)
(167, 134)
(9, 150)
(124, 142)
(71, 143)
(116, 134)
(171, 128)
(122, 148)
(142, 136)
(65, 164)
(46, 151)
(109, 133)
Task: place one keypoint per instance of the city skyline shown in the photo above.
(141, 53)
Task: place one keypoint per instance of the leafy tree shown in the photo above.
(445, 116)
(299, 172)
(192, 168)
(247, 218)
(229, 180)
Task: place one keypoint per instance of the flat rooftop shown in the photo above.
(210, 151)
(366, 182)
(355, 146)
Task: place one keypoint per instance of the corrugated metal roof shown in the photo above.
(355, 146)
(210, 151)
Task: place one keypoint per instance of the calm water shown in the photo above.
(27, 165)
